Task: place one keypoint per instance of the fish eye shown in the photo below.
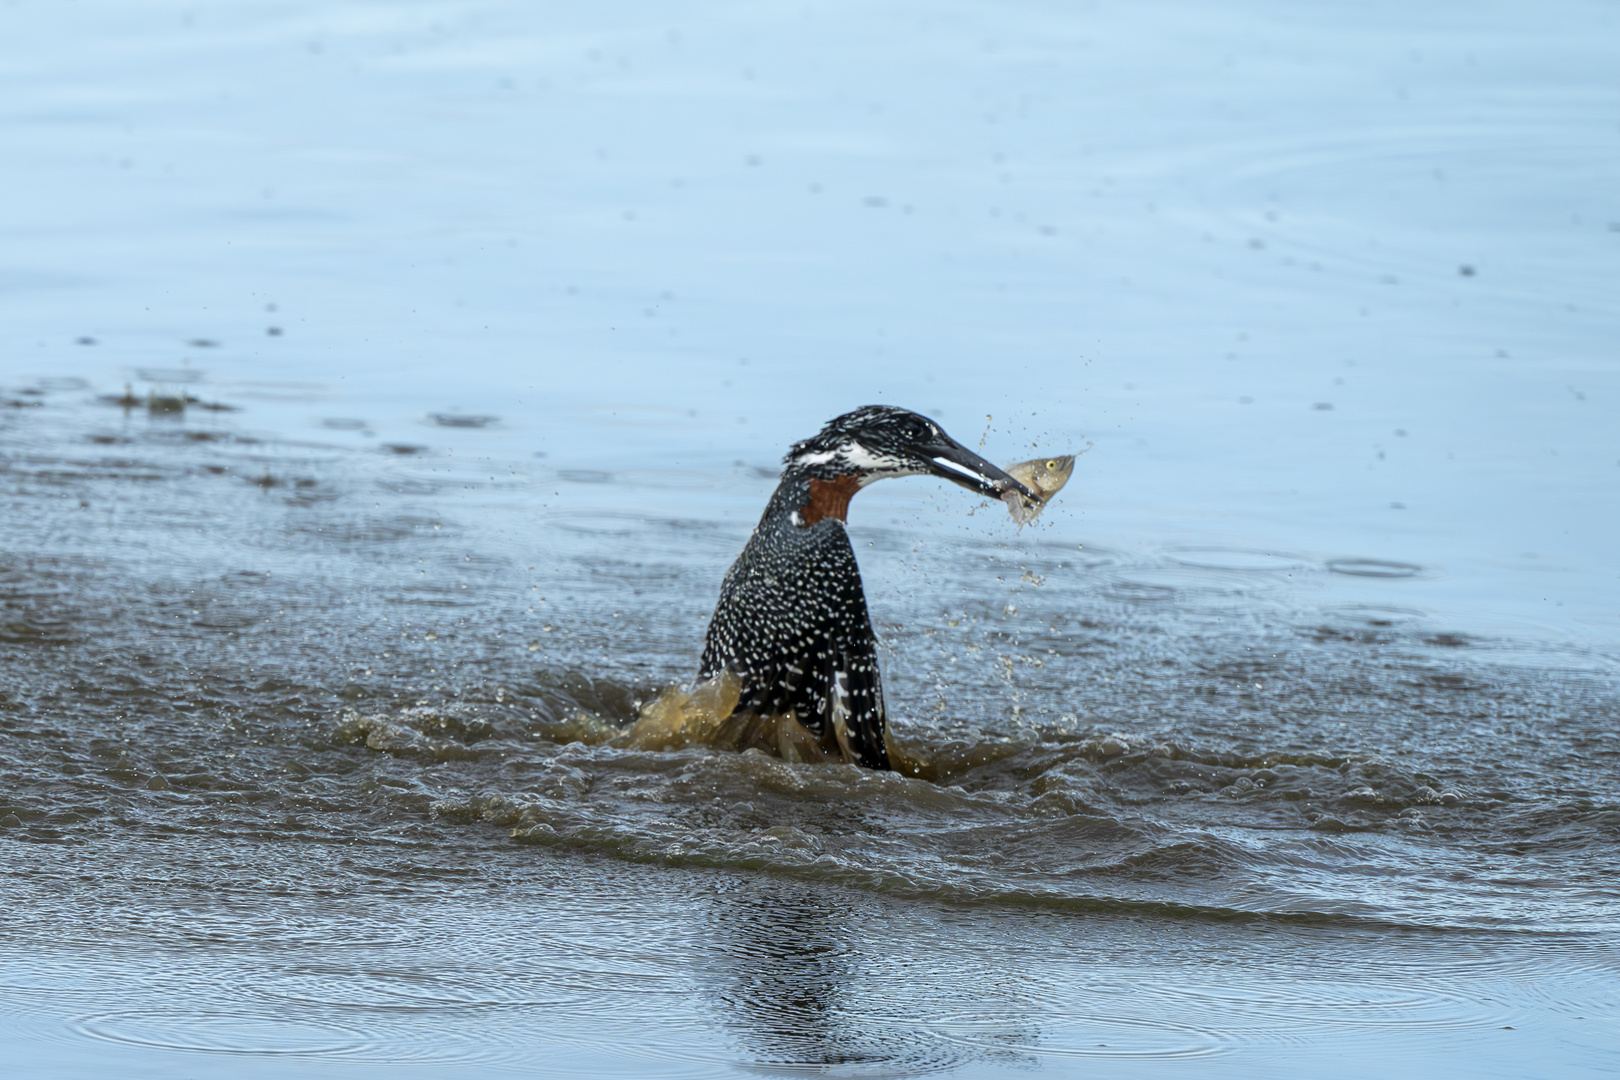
(1052, 464)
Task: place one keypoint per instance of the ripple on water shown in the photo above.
(1083, 1035)
(560, 990)
(598, 523)
(585, 476)
(1139, 588)
(1376, 614)
(381, 529)
(32, 989)
(1304, 1011)
(1164, 584)
(1374, 568)
(223, 1032)
(62, 382)
(170, 375)
(462, 420)
(420, 1016)
(671, 479)
(1366, 624)
(1215, 558)
(1550, 656)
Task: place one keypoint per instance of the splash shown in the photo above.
(707, 716)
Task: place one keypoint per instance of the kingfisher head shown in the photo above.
(878, 441)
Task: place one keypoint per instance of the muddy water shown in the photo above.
(304, 765)
(460, 346)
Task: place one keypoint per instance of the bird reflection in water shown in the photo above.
(799, 976)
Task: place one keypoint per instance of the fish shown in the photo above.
(1045, 477)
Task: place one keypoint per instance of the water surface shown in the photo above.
(461, 343)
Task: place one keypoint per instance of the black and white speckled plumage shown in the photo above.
(792, 625)
(792, 622)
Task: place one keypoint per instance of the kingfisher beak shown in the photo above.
(951, 460)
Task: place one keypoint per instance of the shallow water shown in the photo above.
(462, 341)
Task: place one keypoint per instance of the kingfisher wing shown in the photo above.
(855, 713)
(792, 624)
(851, 707)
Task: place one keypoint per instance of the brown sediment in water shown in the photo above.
(706, 715)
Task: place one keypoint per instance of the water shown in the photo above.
(1284, 741)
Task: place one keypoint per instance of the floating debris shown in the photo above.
(159, 402)
(126, 400)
